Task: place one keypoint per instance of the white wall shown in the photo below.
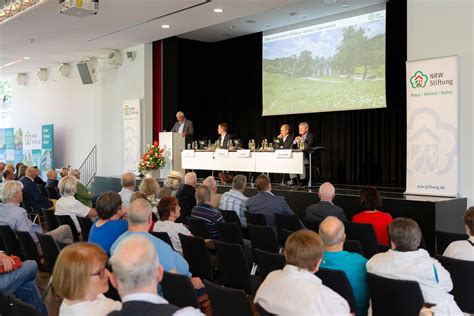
(85, 115)
(441, 28)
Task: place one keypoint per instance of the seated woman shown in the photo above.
(370, 203)
(172, 184)
(109, 226)
(296, 290)
(212, 185)
(151, 188)
(80, 277)
(169, 211)
(82, 194)
(463, 249)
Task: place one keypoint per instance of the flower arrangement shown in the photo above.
(153, 159)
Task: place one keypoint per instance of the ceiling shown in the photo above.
(49, 38)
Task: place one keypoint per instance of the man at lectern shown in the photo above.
(184, 127)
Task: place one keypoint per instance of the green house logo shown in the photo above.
(127, 111)
(418, 80)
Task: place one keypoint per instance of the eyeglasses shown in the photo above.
(100, 273)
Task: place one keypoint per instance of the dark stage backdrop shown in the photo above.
(222, 82)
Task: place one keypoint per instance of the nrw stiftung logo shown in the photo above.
(28, 138)
(127, 111)
(418, 80)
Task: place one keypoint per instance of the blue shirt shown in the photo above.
(353, 265)
(234, 200)
(107, 234)
(169, 258)
(13, 215)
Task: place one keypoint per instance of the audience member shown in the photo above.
(80, 277)
(187, 196)
(68, 205)
(234, 199)
(31, 192)
(82, 194)
(17, 170)
(2, 168)
(370, 203)
(108, 226)
(296, 290)
(38, 179)
(463, 249)
(137, 195)
(172, 184)
(151, 188)
(325, 207)
(404, 261)
(331, 231)
(11, 167)
(22, 172)
(205, 212)
(7, 176)
(266, 203)
(128, 187)
(169, 211)
(64, 171)
(52, 179)
(211, 183)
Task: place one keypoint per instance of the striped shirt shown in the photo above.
(210, 216)
(234, 200)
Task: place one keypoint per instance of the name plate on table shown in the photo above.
(222, 153)
(243, 153)
(283, 153)
(189, 153)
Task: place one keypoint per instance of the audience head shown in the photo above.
(108, 204)
(405, 234)
(304, 249)
(23, 172)
(150, 187)
(174, 180)
(239, 183)
(128, 180)
(222, 128)
(51, 174)
(75, 172)
(80, 272)
(469, 221)
(8, 175)
(203, 194)
(18, 165)
(370, 199)
(136, 266)
(64, 171)
(139, 214)
(2, 166)
(211, 184)
(12, 192)
(137, 195)
(332, 232)
(284, 129)
(190, 178)
(303, 128)
(169, 209)
(67, 186)
(10, 167)
(180, 116)
(327, 192)
(262, 183)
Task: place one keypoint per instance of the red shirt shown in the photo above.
(379, 220)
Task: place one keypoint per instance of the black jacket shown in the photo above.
(187, 200)
(321, 210)
(140, 308)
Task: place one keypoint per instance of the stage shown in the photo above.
(431, 213)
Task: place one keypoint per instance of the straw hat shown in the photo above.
(176, 174)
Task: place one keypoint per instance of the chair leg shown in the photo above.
(48, 287)
(254, 269)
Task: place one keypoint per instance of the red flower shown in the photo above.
(152, 166)
(155, 143)
(145, 156)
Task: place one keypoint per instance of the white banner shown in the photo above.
(131, 135)
(432, 127)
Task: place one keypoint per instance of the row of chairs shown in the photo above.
(53, 221)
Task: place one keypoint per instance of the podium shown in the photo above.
(173, 144)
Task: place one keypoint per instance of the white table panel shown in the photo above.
(269, 162)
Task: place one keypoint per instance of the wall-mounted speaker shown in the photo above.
(86, 72)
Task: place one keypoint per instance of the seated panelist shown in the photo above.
(224, 137)
(304, 135)
(285, 140)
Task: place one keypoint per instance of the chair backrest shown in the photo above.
(179, 290)
(197, 255)
(86, 225)
(231, 217)
(462, 274)
(263, 237)
(233, 266)
(227, 301)
(443, 239)
(312, 225)
(338, 282)
(268, 262)
(42, 189)
(164, 237)
(255, 219)
(51, 221)
(52, 193)
(284, 236)
(353, 246)
(231, 233)
(67, 220)
(12, 247)
(288, 222)
(198, 227)
(28, 247)
(263, 312)
(364, 233)
(50, 251)
(392, 297)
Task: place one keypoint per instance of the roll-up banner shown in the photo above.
(131, 134)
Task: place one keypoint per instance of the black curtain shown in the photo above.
(222, 82)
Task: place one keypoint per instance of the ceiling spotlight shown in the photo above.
(303, 16)
(165, 26)
(251, 21)
(293, 13)
(21, 79)
(218, 10)
(65, 70)
(345, 6)
(231, 27)
(42, 74)
(26, 58)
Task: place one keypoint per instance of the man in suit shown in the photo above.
(184, 127)
(32, 193)
(285, 140)
(187, 196)
(137, 273)
(266, 203)
(308, 139)
(52, 179)
(223, 136)
(325, 207)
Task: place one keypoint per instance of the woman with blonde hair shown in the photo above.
(151, 188)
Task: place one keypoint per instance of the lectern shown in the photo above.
(173, 143)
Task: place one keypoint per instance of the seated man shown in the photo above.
(31, 192)
(463, 249)
(128, 187)
(325, 207)
(266, 203)
(138, 287)
(38, 179)
(285, 140)
(187, 196)
(308, 139)
(296, 290)
(332, 233)
(52, 179)
(406, 262)
(223, 136)
(204, 211)
(234, 199)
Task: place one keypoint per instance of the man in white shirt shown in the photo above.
(137, 272)
(463, 249)
(296, 290)
(223, 136)
(234, 199)
(128, 187)
(406, 262)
